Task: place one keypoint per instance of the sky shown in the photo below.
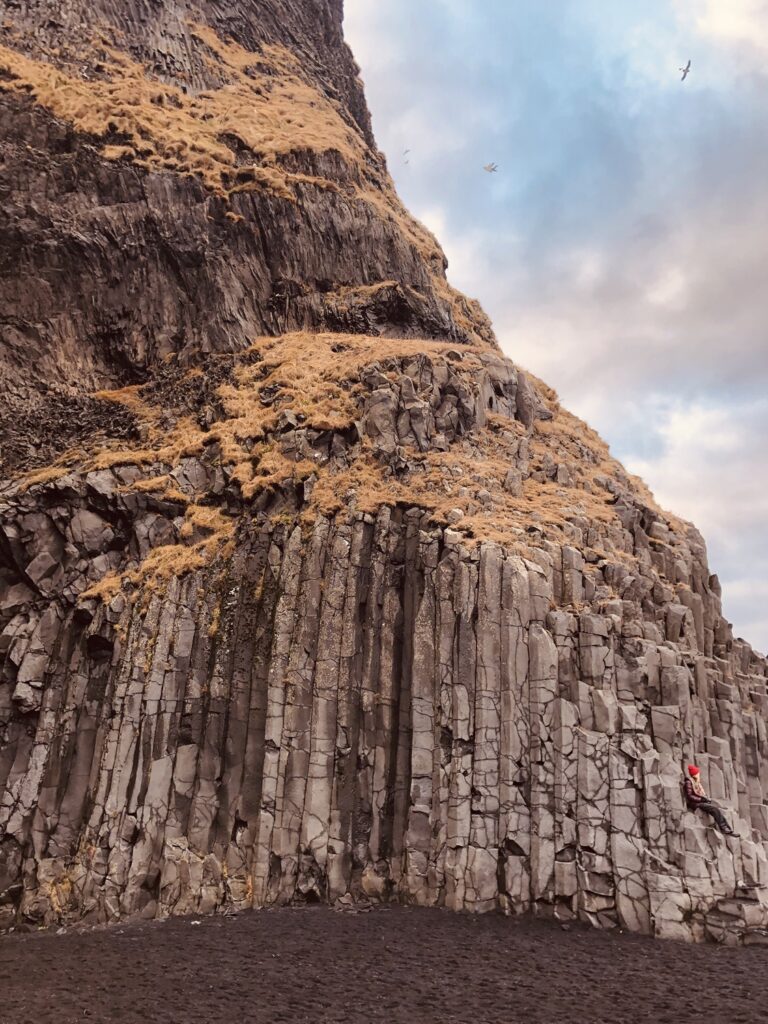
(622, 247)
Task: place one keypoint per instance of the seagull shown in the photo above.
(686, 71)
(405, 155)
(491, 168)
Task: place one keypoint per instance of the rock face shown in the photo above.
(330, 613)
(179, 179)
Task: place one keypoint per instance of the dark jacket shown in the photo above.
(692, 798)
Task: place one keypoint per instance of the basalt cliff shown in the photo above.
(306, 591)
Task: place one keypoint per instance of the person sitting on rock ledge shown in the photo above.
(698, 800)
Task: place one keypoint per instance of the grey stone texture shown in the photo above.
(374, 704)
(373, 708)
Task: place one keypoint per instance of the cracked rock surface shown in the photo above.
(369, 704)
(323, 608)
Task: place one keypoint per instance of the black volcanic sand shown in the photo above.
(317, 966)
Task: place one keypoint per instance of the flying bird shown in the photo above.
(686, 71)
(491, 168)
(405, 155)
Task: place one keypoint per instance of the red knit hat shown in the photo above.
(692, 769)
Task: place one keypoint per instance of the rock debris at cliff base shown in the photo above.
(398, 966)
(313, 595)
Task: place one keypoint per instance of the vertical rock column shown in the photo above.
(484, 832)
(543, 711)
(515, 764)
(372, 708)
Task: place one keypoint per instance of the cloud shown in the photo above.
(621, 249)
(711, 469)
(743, 22)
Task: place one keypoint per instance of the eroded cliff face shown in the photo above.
(179, 178)
(323, 598)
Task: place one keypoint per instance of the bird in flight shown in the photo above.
(686, 71)
(405, 155)
(491, 168)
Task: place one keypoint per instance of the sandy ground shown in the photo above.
(395, 965)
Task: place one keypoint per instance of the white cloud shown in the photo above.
(710, 470)
(708, 462)
(735, 21)
(670, 289)
(368, 30)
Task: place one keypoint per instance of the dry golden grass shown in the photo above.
(483, 463)
(568, 439)
(185, 440)
(171, 561)
(274, 470)
(105, 590)
(42, 476)
(151, 485)
(264, 105)
(318, 385)
(207, 519)
(318, 379)
(130, 398)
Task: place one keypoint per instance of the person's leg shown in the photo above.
(714, 812)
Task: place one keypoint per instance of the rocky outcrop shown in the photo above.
(179, 179)
(371, 703)
(338, 613)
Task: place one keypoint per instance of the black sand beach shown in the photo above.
(395, 965)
